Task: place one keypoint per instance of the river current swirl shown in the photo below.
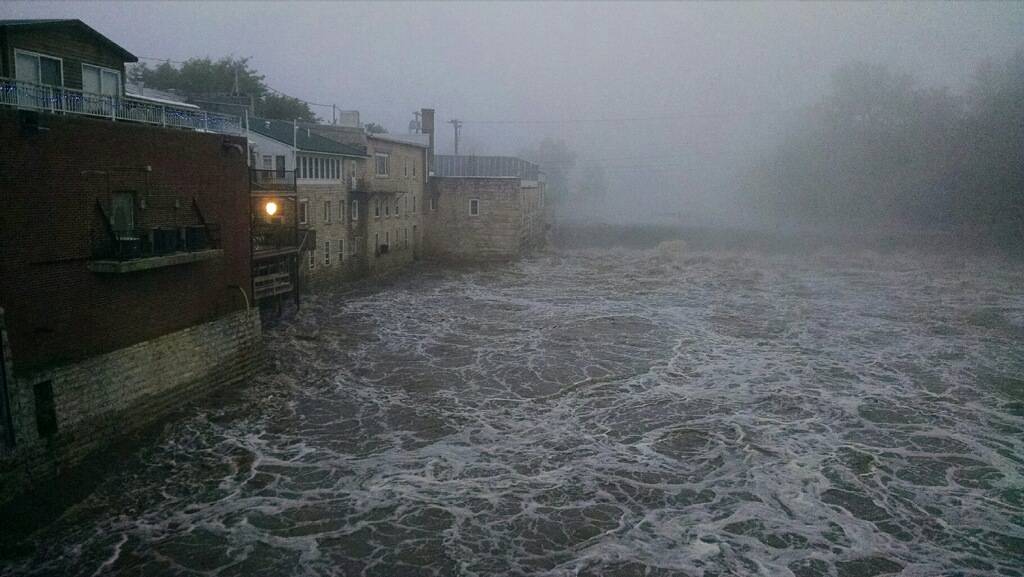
(657, 412)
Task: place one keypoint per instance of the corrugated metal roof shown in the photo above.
(485, 166)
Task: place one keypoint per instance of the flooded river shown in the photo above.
(661, 412)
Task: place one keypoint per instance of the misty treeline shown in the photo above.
(883, 152)
(566, 181)
(203, 78)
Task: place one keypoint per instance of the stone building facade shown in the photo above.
(484, 208)
(392, 186)
(326, 173)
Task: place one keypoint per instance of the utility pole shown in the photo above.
(334, 114)
(457, 124)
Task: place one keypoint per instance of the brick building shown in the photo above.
(484, 208)
(125, 251)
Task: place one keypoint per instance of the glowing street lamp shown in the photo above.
(270, 208)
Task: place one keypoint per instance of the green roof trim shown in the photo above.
(308, 141)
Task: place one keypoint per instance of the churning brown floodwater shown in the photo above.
(619, 412)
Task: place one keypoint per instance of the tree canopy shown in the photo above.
(882, 151)
(206, 79)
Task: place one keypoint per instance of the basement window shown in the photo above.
(46, 412)
(474, 207)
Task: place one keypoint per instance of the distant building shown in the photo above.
(324, 174)
(125, 251)
(484, 208)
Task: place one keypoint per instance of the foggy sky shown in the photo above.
(724, 75)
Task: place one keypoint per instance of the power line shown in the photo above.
(763, 112)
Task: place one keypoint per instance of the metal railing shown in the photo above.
(271, 180)
(274, 236)
(60, 100)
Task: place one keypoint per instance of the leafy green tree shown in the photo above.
(374, 128)
(206, 79)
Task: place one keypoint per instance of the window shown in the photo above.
(302, 167)
(341, 250)
(268, 162)
(279, 165)
(46, 413)
(341, 212)
(433, 203)
(376, 242)
(387, 238)
(406, 201)
(304, 211)
(396, 207)
(405, 243)
(383, 163)
(38, 69)
(414, 204)
(327, 211)
(327, 253)
(101, 80)
(376, 208)
(405, 167)
(122, 213)
(355, 244)
(474, 207)
(355, 210)
(414, 167)
(312, 259)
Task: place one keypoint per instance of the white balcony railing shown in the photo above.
(69, 101)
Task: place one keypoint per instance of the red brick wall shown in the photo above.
(59, 311)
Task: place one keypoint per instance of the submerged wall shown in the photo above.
(60, 415)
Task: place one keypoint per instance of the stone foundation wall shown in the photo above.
(62, 414)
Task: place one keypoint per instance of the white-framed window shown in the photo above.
(268, 162)
(382, 162)
(341, 211)
(474, 207)
(327, 211)
(304, 211)
(312, 259)
(376, 207)
(396, 207)
(355, 209)
(38, 68)
(101, 80)
(405, 167)
(414, 168)
(341, 250)
(327, 253)
(433, 203)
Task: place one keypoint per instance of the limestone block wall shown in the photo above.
(62, 414)
(507, 225)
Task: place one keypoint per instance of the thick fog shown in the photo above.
(666, 108)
